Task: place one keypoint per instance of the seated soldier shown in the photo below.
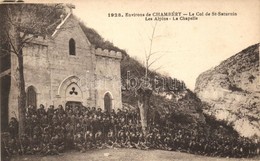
(99, 140)
(133, 139)
(45, 141)
(51, 149)
(149, 140)
(89, 140)
(35, 144)
(58, 143)
(79, 142)
(120, 138)
(24, 144)
(110, 143)
(158, 143)
(127, 142)
(12, 147)
(168, 142)
(5, 153)
(141, 142)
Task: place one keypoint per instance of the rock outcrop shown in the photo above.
(231, 91)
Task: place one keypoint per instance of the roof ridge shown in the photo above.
(62, 22)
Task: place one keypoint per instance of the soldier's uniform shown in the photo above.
(41, 111)
(168, 142)
(50, 112)
(121, 138)
(99, 140)
(150, 140)
(89, 140)
(58, 142)
(13, 127)
(12, 146)
(35, 144)
(141, 144)
(79, 142)
(110, 139)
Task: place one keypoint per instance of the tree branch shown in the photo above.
(158, 68)
(7, 51)
(11, 43)
(155, 61)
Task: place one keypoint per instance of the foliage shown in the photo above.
(216, 124)
(33, 18)
(98, 41)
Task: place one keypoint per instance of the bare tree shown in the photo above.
(146, 90)
(21, 24)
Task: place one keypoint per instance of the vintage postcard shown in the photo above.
(130, 80)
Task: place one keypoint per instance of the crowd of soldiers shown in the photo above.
(56, 130)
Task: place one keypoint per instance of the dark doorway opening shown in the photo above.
(73, 104)
(108, 102)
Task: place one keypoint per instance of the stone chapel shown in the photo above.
(65, 69)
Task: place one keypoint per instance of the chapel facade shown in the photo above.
(65, 69)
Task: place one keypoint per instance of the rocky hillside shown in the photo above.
(172, 95)
(231, 91)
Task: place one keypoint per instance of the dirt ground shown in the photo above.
(126, 155)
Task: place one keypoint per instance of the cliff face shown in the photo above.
(232, 91)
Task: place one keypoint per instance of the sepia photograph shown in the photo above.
(128, 80)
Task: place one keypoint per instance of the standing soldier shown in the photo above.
(13, 128)
(50, 112)
(41, 111)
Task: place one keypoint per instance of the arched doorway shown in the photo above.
(73, 96)
(108, 102)
(31, 96)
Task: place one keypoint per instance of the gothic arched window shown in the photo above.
(72, 47)
(31, 96)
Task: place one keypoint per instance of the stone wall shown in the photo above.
(108, 77)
